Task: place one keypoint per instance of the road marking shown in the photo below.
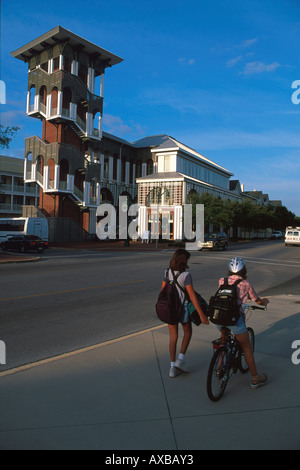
(101, 286)
(266, 261)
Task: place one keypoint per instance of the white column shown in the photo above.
(102, 85)
(61, 62)
(28, 102)
(59, 102)
(33, 171)
(91, 80)
(37, 102)
(56, 176)
(50, 66)
(25, 168)
(46, 177)
(49, 106)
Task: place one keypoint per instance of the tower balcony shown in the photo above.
(61, 96)
(62, 169)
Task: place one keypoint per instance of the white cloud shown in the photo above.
(116, 126)
(185, 61)
(259, 67)
(248, 42)
(233, 62)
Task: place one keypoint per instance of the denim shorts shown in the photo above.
(239, 328)
(185, 316)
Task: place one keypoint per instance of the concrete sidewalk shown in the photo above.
(118, 395)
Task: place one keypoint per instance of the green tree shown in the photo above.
(6, 135)
(283, 218)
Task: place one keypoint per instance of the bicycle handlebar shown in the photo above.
(256, 307)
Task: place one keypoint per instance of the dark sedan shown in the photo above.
(24, 243)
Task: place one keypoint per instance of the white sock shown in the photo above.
(172, 364)
(181, 356)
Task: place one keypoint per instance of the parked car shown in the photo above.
(276, 235)
(24, 243)
(215, 240)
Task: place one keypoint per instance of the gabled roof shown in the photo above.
(163, 142)
(152, 141)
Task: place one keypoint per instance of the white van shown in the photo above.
(23, 226)
(292, 236)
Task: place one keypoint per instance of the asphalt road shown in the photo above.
(73, 299)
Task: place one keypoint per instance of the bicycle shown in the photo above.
(227, 359)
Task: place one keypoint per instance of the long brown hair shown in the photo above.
(179, 260)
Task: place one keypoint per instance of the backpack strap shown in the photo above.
(226, 283)
(175, 277)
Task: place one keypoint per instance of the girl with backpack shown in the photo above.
(178, 265)
(237, 272)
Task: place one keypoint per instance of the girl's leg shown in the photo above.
(249, 357)
(173, 330)
(187, 335)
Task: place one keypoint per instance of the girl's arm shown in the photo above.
(194, 300)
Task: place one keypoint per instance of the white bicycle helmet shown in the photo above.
(236, 264)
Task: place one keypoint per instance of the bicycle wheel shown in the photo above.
(243, 367)
(218, 374)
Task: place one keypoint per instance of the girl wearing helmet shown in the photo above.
(237, 270)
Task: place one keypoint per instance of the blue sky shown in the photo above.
(216, 75)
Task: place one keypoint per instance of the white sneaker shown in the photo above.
(180, 365)
(173, 372)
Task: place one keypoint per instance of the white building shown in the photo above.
(178, 171)
(14, 193)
